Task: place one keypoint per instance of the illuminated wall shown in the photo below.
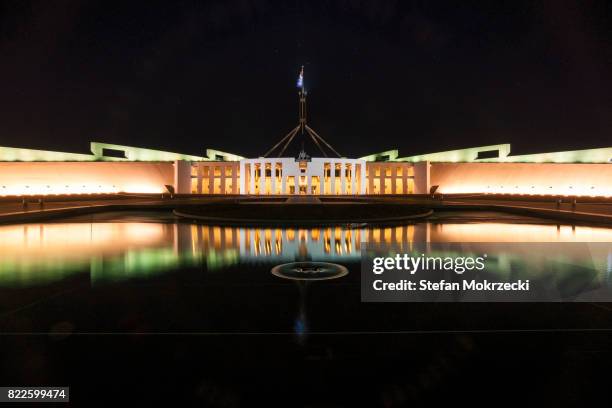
(390, 178)
(491, 169)
(33, 178)
(29, 178)
(523, 178)
(484, 169)
(215, 178)
(182, 177)
(285, 175)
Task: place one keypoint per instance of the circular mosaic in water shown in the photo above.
(309, 270)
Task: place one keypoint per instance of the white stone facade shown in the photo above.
(318, 176)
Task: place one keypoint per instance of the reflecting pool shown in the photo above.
(37, 254)
(104, 299)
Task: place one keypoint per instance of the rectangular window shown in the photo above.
(216, 186)
(120, 154)
(327, 185)
(291, 184)
(303, 184)
(399, 186)
(278, 186)
(228, 188)
(488, 154)
(217, 171)
(410, 186)
(387, 187)
(337, 186)
(228, 171)
(206, 185)
(267, 185)
(375, 186)
(315, 185)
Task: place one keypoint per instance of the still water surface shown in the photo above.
(37, 254)
(100, 301)
(150, 273)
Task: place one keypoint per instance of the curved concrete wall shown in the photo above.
(523, 178)
(22, 178)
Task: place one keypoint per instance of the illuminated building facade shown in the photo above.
(491, 169)
(314, 176)
(487, 169)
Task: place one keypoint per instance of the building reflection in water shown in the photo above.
(40, 253)
(288, 244)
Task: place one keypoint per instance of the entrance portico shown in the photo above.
(315, 176)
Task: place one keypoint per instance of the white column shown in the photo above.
(242, 178)
(182, 177)
(343, 178)
(422, 177)
(363, 178)
(332, 182)
(234, 179)
(354, 179)
(308, 183)
(252, 178)
(223, 179)
(199, 173)
(211, 179)
(273, 176)
(283, 181)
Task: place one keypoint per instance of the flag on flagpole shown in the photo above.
(300, 81)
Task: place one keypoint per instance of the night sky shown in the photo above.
(421, 76)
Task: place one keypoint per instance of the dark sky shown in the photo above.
(420, 76)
